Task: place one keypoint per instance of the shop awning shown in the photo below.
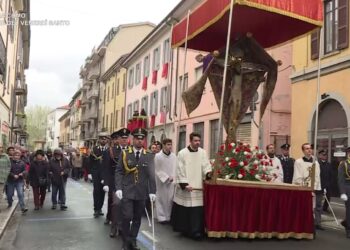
(270, 21)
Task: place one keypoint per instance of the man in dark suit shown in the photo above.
(287, 164)
(135, 180)
(99, 161)
(119, 143)
(325, 174)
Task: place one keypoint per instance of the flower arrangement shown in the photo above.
(239, 161)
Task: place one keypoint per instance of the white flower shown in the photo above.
(264, 168)
(240, 176)
(241, 163)
(245, 153)
(257, 177)
(227, 159)
(232, 144)
(256, 162)
(227, 177)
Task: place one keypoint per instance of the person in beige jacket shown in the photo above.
(77, 163)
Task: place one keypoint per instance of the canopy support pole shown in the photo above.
(220, 130)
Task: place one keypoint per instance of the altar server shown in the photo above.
(165, 165)
(192, 168)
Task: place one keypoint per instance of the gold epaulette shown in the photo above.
(129, 170)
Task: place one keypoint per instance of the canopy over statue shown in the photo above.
(256, 24)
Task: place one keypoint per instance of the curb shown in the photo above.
(4, 224)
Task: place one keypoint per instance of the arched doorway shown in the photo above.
(332, 135)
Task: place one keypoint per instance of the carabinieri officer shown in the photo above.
(135, 179)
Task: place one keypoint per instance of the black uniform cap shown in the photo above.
(39, 152)
(124, 132)
(285, 146)
(322, 151)
(139, 133)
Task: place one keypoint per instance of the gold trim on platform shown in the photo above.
(259, 184)
(260, 235)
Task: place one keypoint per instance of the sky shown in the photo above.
(58, 49)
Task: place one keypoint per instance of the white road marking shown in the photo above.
(148, 235)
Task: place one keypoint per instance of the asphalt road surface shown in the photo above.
(77, 229)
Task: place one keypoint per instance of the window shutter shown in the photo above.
(343, 24)
(315, 45)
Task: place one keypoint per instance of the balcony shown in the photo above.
(93, 73)
(93, 114)
(87, 83)
(77, 123)
(21, 90)
(19, 124)
(92, 93)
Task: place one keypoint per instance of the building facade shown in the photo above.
(112, 88)
(76, 121)
(64, 141)
(334, 96)
(53, 127)
(14, 60)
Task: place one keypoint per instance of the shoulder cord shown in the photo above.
(130, 170)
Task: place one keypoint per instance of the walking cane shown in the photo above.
(329, 204)
(149, 221)
(152, 208)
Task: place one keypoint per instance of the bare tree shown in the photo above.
(37, 123)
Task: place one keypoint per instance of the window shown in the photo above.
(124, 82)
(185, 83)
(104, 96)
(144, 103)
(166, 51)
(146, 66)
(154, 103)
(106, 121)
(116, 118)
(108, 94)
(111, 127)
(138, 74)
(199, 128)
(118, 87)
(336, 28)
(113, 89)
(137, 106)
(214, 146)
(182, 138)
(156, 59)
(163, 99)
(131, 78)
(122, 120)
(129, 111)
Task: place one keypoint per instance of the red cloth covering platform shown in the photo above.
(258, 211)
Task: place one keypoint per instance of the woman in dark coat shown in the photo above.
(38, 178)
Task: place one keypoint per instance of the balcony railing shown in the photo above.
(92, 93)
(21, 90)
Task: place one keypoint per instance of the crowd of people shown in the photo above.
(139, 181)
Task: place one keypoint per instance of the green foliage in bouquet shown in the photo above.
(239, 161)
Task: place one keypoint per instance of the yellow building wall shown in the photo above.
(304, 104)
(114, 103)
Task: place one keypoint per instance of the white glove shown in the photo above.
(119, 194)
(90, 177)
(102, 181)
(152, 197)
(106, 189)
(325, 191)
(344, 197)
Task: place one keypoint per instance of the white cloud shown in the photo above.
(57, 52)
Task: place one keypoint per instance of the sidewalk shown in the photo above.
(5, 213)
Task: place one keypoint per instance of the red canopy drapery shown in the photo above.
(270, 21)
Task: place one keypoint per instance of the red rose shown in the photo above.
(248, 157)
(222, 147)
(245, 163)
(247, 150)
(221, 153)
(259, 156)
(256, 148)
(229, 147)
(242, 172)
(238, 150)
(233, 163)
(252, 172)
(223, 164)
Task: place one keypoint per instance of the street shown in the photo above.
(77, 229)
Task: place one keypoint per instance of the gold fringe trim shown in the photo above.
(260, 235)
(278, 11)
(249, 4)
(204, 27)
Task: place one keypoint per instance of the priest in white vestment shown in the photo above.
(193, 167)
(165, 165)
(276, 170)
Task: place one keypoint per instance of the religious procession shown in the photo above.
(224, 125)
